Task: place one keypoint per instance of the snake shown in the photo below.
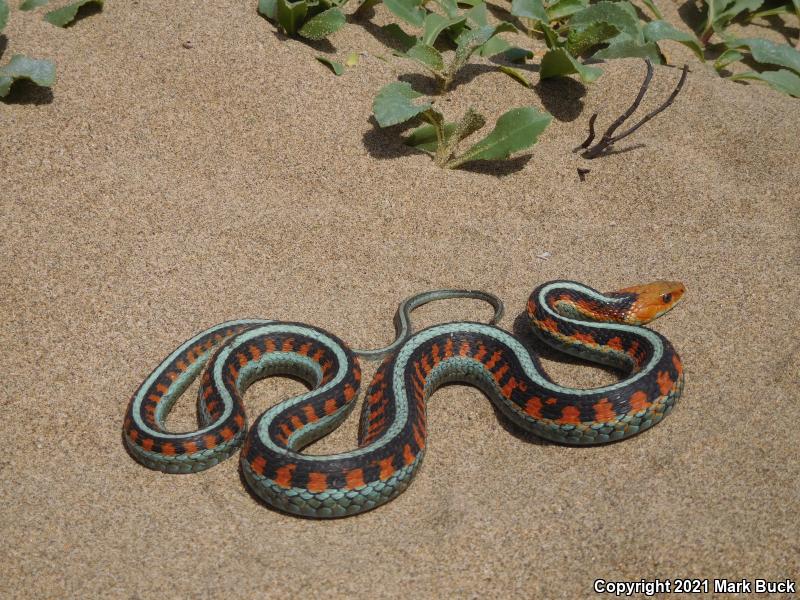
(570, 317)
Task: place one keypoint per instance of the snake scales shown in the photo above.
(571, 317)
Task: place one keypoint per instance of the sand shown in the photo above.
(161, 190)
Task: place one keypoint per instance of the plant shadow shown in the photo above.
(429, 86)
(386, 143)
(562, 97)
(624, 150)
(498, 168)
(775, 23)
(24, 91)
(3, 44)
(386, 39)
(322, 45)
(424, 84)
(501, 13)
(87, 10)
(473, 70)
(691, 14)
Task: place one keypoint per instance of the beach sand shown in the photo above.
(163, 189)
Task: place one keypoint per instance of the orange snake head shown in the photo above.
(650, 300)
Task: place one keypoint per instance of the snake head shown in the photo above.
(650, 300)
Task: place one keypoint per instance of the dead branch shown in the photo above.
(588, 141)
(609, 139)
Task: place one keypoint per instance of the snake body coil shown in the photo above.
(571, 317)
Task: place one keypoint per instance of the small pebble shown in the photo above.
(188, 44)
(543, 256)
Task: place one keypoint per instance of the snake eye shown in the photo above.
(666, 298)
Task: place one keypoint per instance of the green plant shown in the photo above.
(720, 13)
(41, 72)
(467, 43)
(767, 54)
(603, 30)
(337, 67)
(468, 31)
(515, 130)
(764, 52)
(311, 19)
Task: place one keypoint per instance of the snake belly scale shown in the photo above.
(571, 317)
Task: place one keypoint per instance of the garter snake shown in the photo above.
(571, 317)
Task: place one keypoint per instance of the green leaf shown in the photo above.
(778, 10)
(735, 9)
(396, 32)
(516, 130)
(529, 9)
(581, 40)
(551, 38)
(558, 62)
(337, 68)
(426, 55)
(627, 48)
(31, 4)
(468, 42)
(435, 24)
(410, 11)
(393, 104)
(450, 7)
(782, 80)
(436, 119)
(516, 74)
(41, 72)
(471, 122)
(653, 8)
(268, 8)
(770, 53)
(726, 58)
(471, 39)
(425, 138)
(565, 8)
(352, 59)
(65, 15)
(494, 45)
(721, 12)
(619, 14)
(655, 31)
(514, 54)
(3, 14)
(291, 15)
(324, 24)
(478, 15)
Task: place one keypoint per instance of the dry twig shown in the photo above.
(609, 139)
